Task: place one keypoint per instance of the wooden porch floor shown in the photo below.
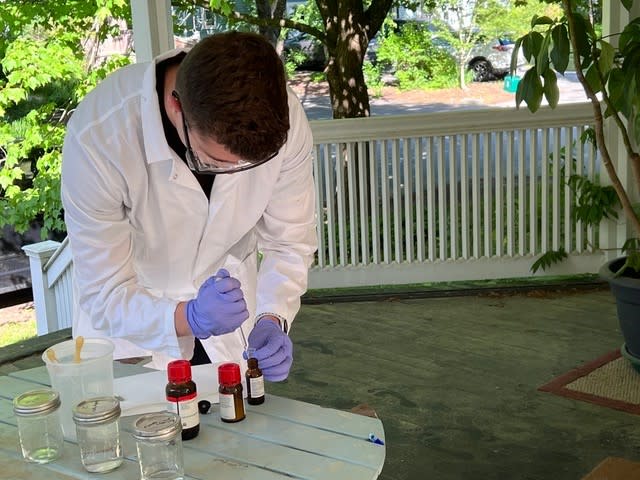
(454, 381)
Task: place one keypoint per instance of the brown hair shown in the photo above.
(232, 88)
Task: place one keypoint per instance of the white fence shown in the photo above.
(459, 195)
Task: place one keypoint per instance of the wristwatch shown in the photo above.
(284, 325)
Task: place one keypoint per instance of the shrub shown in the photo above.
(416, 60)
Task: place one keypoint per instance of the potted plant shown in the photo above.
(609, 70)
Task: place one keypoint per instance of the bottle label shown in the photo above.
(186, 409)
(256, 387)
(227, 407)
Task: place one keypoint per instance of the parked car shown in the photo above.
(313, 55)
(492, 60)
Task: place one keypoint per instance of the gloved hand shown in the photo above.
(219, 307)
(273, 350)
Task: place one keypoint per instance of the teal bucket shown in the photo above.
(511, 83)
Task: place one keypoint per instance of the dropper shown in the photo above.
(244, 341)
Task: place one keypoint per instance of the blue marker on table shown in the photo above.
(374, 439)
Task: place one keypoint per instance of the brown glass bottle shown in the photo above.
(230, 393)
(182, 397)
(255, 381)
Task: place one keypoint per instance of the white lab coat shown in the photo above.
(144, 237)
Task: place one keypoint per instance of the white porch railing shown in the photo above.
(459, 195)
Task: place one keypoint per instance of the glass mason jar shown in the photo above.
(98, 433)
(159, 444)
(39, 427)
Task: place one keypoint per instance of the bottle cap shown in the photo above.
(36, 402)
(157, 426)
(179, 371)
(229, 374)
(96, 411)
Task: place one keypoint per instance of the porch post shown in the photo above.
(613, 233)
(43, 297)
(152, 28)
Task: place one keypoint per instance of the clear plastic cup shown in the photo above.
(91, 377)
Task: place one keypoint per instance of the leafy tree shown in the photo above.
(47, 64)
(416, 60)
(464, 24)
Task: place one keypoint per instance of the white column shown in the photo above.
(152, 28)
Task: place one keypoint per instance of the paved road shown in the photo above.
(319, 107)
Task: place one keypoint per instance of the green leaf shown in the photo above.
(632, 261)
(583, 30)
(589, 135)
(531, 44)
(12, 95)
(530, 90)
(605, 61)
(551, 91)
(544, 20)
(561, 49)
(617, 92)
(549, 258)
(629, 35)
(631, 245)
(627, 4)
(542, 59)
(514, 56)
(594, 202)
(221, 6)
(592, 78)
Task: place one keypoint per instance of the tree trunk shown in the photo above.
(462, 80)
(270, 9)
(347, 87)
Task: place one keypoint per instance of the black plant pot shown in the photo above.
(626, 290)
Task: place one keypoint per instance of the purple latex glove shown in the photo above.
(219, 307)
(273, 350)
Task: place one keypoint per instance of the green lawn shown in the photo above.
(16, 331)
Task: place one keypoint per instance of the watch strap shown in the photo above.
(284, 325)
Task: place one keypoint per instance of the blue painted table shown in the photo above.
(280, 439)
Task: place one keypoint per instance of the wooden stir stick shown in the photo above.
(51, 355)
(79, 344)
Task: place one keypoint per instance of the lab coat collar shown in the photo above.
(155, 143)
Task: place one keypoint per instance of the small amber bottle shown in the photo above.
(231, 401)
(255, 380)
(182, 397)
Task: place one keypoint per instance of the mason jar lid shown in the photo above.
(96, 411)
(36, 402)
(158, 426)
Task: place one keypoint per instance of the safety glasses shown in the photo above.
(213, 167)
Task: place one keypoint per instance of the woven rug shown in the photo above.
(609, 380)
(614, 468)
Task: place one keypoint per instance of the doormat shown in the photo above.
(614, 468)
(609, 381)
